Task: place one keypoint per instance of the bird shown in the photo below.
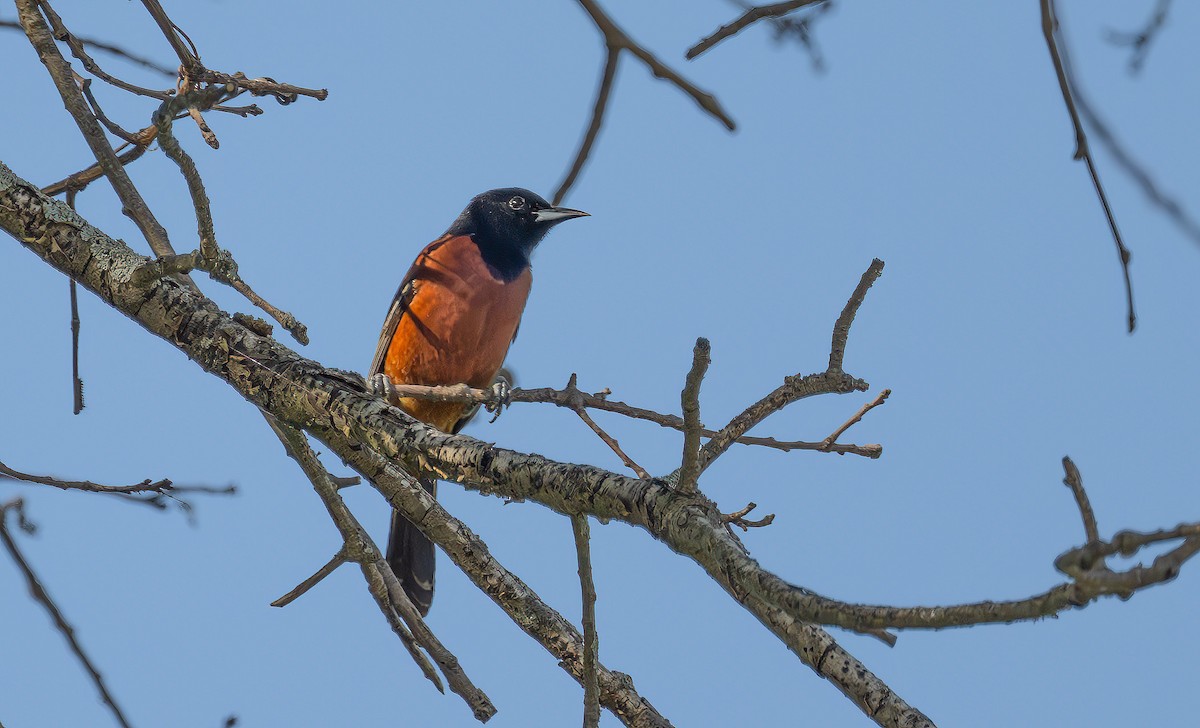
(452, 320)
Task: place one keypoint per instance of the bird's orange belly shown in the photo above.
(455, 331)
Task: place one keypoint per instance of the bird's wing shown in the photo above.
(404, 296)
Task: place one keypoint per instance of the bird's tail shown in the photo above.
(411, 557)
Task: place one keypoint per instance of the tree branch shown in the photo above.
(591, 642)
(157, 486)
(333, 406)
(60, 71)
(748, 18)
(689, 469)
(40, 595)
(557, 635)
(1058, 54)
(607, 77)
(1140, 41)
(574, 398)
(832, 439)
(616, 38)
(381, 581)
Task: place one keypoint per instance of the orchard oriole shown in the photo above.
(452, 320)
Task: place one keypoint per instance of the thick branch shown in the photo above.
(333, 406)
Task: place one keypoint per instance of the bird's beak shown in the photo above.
(557, 214)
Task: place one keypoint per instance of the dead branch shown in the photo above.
(738, 518)
(369, 434)
(573, 398)
(616, 41)
(1074, 481)
(389, 596)
(60, 71)
(527, 610)
(745, 20)
(607, 77)
(856, 418)
(591, 642)
(156, 486)
(1058, 54)
(40, 595)
(217, 262)
(1140, 41)
(689, 470)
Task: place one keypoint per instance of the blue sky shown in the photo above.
(936, 140)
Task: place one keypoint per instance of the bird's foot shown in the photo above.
(381, 385)
(501, 395)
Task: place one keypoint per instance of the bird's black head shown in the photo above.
(507, 224)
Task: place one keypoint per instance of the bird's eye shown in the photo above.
(517, 203)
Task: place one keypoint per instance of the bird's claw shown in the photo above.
(501, 396)
(381, 385)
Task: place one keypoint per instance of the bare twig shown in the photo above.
(284, 93)
(800, 29)
(77, 49)
(841, 328)
(1074, 481)
(612, 444)
(189, 57)
(617, 40)
(573, 399)
(797, 387)
(79, 181)
(76, 382)
(210, 257)
(751, 16)
(156, 486)
(382, 583)
(39, 593)
(738, 518)
(1169, 205)
(527, 610)
(85, 85)
(134, 205)
(1058, 54)
(689, 470)
(607, 77)
(591, 642)
(109, 48)
(829, 441)
(1140, 41)
(338, 559)
(164, 119)
(615, 37)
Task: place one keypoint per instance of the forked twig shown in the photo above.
(616, 41)
(829, 441)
